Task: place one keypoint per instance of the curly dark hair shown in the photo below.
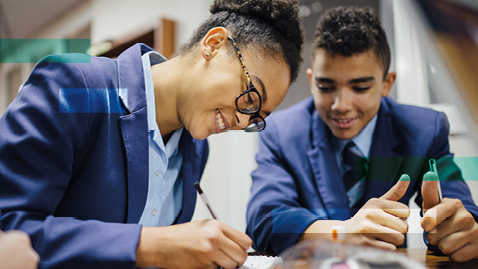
(350, 30)
(270, 26)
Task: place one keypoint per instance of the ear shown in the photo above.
(214, 40)
(309, 76)
(388, 83)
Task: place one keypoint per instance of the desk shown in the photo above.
(433, 261)
(423, 255)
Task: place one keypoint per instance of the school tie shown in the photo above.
(355, 173)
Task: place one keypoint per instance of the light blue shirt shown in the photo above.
(165, 193)
(363, 142)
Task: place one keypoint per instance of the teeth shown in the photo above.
(220, 121)
(344, 121)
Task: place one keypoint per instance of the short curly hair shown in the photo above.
(350, 30)
(271, 26)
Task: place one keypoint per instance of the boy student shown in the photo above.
(311, 172)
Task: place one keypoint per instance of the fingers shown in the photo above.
(382, 245)
(438, 214)
(450, 243)
(398, 210)
(201, 243)
(376, 235)
(464, 254)
(459, 246)
(232, 245)
(394, 208)
(430, 220)
(398, 190)
(241, 239)
(233, 248)
(378, 225)
(384, 218)
(395, 223)
(224, 260)
(430, 190)
(453, 229)
(394, 238)
(389, 234)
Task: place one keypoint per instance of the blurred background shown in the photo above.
(434, 52)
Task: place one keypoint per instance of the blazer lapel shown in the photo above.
(326, 172)
(385, 160)
(134, 127)
(135, 138)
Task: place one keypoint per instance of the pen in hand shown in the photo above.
(205, 200)
(433, 168)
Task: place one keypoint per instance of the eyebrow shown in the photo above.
(263, 87)
(324, 80)
(361, 80)
(264, 92)
(352, 81)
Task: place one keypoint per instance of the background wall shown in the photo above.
(115, 18)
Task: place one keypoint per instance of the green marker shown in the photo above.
(433, 168)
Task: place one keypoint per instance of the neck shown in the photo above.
(166, 89)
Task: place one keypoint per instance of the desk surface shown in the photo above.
(435, 261)
(423, 255)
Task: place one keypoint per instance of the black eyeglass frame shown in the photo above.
(254, 112)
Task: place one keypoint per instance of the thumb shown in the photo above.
(398, 190)
(430, 190)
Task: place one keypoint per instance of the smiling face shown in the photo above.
(347, 90)
(211, 106)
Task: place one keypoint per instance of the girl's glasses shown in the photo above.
(249, 102)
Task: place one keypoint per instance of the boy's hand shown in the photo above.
(381, 221)
(448, 224)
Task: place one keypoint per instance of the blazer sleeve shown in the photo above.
(275, 216)
(38, 145)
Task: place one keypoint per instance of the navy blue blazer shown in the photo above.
(298, 181)
(74, 160)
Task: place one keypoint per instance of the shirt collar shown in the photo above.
(149, 59)
(363, 140)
